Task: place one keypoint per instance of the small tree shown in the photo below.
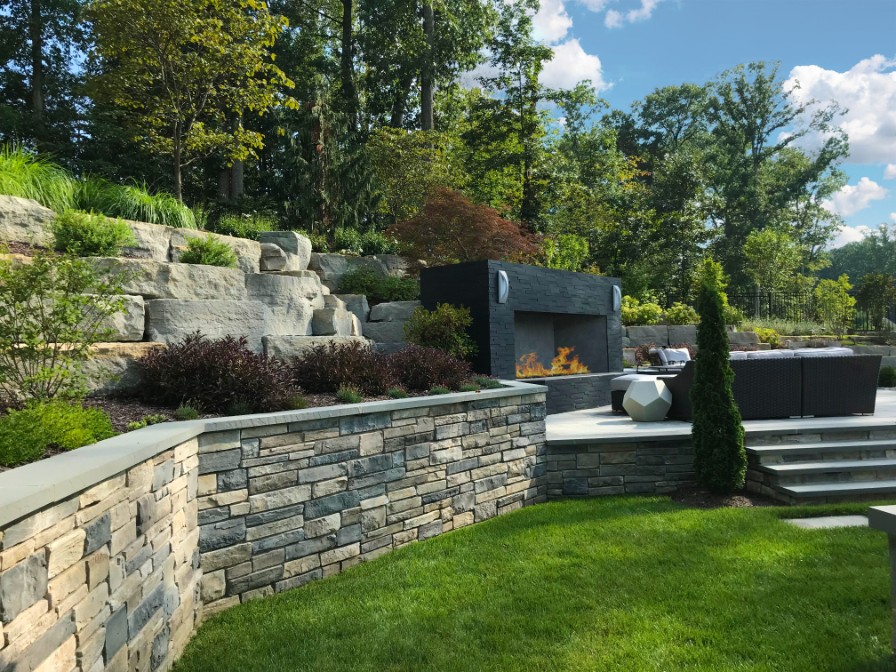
(771, 258)
(51, 311)
(833, 304)
(720, 461)
(451, 229)
(877, 291)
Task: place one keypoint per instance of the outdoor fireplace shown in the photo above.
(551, 327)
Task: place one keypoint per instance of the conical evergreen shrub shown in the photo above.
(720, 461)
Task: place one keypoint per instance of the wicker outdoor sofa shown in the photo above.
(787, 387)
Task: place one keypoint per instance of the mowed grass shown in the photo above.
(604, 584)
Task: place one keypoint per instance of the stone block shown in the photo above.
(333, 301)
(743, 338)
(393, 311)
(165, 280)
(127, 324)
(357, 304)
(99, 533)
(319, 508)
(22, 586)
(393, 264)
(682, 333)
(331, 267)
(273, 258)
(296, 247)
(332, 322)
(290, 301)
(153, 241)
(170, 320)
(112, 367)
(644, 335)
(384, 332)
(26, 221)
(287, 347)
(248, 252)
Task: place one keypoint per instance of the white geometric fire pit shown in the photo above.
(647, 400)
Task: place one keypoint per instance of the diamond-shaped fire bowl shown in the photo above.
(647, 400)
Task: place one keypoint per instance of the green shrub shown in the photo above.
(244, 226)
(208, 251)
(680, 313)
(51, 312)
(378, 287)
(487, 383)
(146, 421)
(88, 235)
(469, 387)
(132, 201)
(636, 313)
(187, 412)
(215, 375)
(396, 393)
(438, 389)
(347, 240)
(833, 304)
(25, 175)
(876, 292)
(25, 435)
(769, 336)
(349, 395)
(887, 377)
(720, 461)
(319, 242)
(444, 328)
(375, 242)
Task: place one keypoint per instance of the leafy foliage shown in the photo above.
(146, 421)
(215, 375)
(244, 225)
(378, 287)
(450, 228)
(26, 434)
(636, 312)
(444, 328)
(877, 292)
(208, 251)
(833, 304)
(88, 235)
(769, 336)
(52, 311)
(132, 201)
(680, 313)
(720, 461)
(771, 258)
(887, 377)
(326, 368)
(566, 251)
(349, 395)
(418, 367)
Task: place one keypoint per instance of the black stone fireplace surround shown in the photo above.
(545, 309)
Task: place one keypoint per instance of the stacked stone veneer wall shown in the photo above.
(615, 468)
(284, 504)
(108, 577)
(111, 554)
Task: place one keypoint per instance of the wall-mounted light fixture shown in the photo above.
(617, 297)
(503, 286)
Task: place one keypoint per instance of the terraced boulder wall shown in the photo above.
(112, 554)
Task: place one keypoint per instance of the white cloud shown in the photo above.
(551, 22)
(890, 171)
(595, 5)
(851, 199)
(868, 91)
(849, 234)
(893, 216)
(570, 65)
(616, 19)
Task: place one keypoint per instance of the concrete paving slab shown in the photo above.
(827, 522)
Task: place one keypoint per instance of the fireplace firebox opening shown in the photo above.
(549, 344)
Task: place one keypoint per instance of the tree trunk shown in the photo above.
(398, 104)
(237, 172)
(35, 29)
(347, 58)
(426, 77)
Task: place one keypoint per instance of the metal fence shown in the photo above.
(799, 307)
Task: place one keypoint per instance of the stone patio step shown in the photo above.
(829, 491)
(822, 452)
(800, 468)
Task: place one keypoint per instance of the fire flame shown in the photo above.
(561, 365)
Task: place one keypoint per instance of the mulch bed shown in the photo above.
(699, 498)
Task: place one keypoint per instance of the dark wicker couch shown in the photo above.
(783, 388)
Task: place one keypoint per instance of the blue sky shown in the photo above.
(843, 50)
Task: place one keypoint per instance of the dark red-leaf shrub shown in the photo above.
(326, 368)
(451, 228)
(217, 376)
(417, 367)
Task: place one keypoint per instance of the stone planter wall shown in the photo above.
(110, 555)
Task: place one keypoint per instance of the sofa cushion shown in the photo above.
(823, 352)
(622, 382)
(737, 354)
(770, 354)
(676, 355)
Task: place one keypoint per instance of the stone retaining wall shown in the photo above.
(110, 555)
(643, 467)
(108, 577)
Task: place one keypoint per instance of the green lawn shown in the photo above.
(603, 584)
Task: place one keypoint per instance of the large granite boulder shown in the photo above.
(290, 300)
(645, 335)
(356, 303)
(682, 333)
(165, 280)
(248, 252)
(331, 267)
(384, 332)
(335, 322)
(295, 247)
(128, 324)
(393, 264)
(153, 241)
(273, 258)
(25, 221)
(112, 367)
(394, 311)
(287, 347)
(743, 338)
(170, 320)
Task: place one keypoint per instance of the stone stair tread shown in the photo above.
(830, 466)
(839, 489)
(823, 447)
